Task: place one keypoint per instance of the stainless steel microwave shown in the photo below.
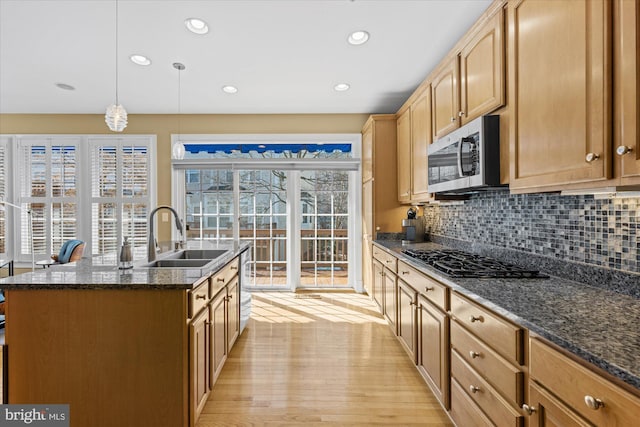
(467, 158)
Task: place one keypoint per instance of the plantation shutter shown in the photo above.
(121, 175)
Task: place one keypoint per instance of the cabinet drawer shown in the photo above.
(224, 276)
(198, 297)
(502, 375)
(431, 289)
(504, 337)
(574, 384)
(496, 408)
(464, 411)
(388, 260)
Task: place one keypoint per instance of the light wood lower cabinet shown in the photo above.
(233, 312)
(199, 363)
(390, 299)
(378, 284)
(464, 412)
(407, 328)
(218, 310)
(575, 392)
(433, 348)
(547, 411)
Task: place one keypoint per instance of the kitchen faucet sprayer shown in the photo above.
(151, 246)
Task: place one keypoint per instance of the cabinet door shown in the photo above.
(390, 299)
(233, 313)
(407, 297)
(482, 71)
(199, 364)
(367, 152)
(433, 349)
(367, 236)
(547, 411)
(560, 92)
(378, 284)
(420, 140)
(444, 100)
(218, 315)
(404, 156)
(626, 92)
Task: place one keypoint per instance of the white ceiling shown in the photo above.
(284, 56)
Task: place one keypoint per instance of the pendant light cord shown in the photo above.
(117, 103)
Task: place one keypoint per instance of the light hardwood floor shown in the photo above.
(311, 361)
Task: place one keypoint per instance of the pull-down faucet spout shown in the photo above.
(151, 244)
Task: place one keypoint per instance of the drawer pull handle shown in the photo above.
(412, 303)
(201, 296)
(474, 319)
(233, 267)
(528, 409)
(405, 272)
(593, 403)
(473, 354)
(389, 261)
(230, 296)
(220, 279)
(474, 389)
(428, 288)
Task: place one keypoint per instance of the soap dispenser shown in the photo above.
(126, 258)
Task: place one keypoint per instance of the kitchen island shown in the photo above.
(121, 347)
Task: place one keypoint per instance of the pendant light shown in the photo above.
(177, 151)
(116, 116)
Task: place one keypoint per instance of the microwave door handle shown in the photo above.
(460, 173)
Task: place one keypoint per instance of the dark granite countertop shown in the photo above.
(102, 273)
(596, 324)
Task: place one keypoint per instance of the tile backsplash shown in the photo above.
(602, 232)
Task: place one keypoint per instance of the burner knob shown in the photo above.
(474, 319)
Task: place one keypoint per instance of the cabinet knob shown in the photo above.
(389, 261)
(474, 389)
(404, 272)
(201, 296)
(474, 354)
(593, 403)
(474, 319)
(528, 409)
(233, 267)
(428, 288)
(460, 114)
(220, 279)
(412, 303)
(230, 297)
(453, 119)
(623, 149)
(591, 157)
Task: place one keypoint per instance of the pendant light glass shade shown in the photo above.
(116, 118)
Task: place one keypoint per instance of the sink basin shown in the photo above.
(178, 263)
(194, 254)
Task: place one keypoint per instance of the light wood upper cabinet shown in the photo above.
(560, 104)
(367, 153)
(404, 156)
(445, 99)
(626, 92)
(482, 71)
(420, 140)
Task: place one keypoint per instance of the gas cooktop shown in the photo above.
(456, 263)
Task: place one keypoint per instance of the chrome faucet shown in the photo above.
(151, 244)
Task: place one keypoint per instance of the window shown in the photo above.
(293, 197)
(94, 188)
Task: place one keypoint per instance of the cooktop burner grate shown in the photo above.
(456, 263)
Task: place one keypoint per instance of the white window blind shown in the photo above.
(4, 146)
(94, 188)
(47, 184)
(121, 177)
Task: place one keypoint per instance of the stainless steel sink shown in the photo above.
(194, 254)
(178, 263)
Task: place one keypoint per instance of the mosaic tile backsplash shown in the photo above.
(602, 232)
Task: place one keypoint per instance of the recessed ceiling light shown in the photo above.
(358, 37)
(140, 59)
(65, 86)
(341, 87)
(229, 89)
(197, 26)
